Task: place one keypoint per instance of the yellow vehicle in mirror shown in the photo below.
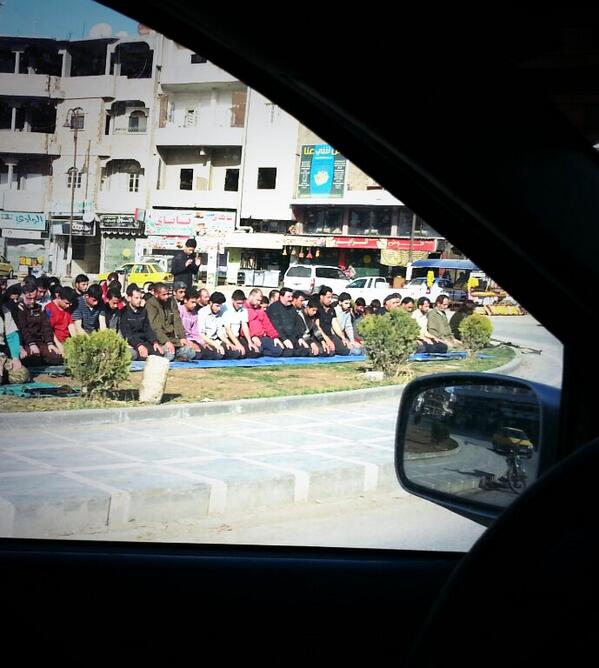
(141, 273)
(507, 439)
(6, 268)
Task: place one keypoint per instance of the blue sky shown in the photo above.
(59, 18)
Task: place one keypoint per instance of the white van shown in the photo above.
(311, 277)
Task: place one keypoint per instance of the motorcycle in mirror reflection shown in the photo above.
(479, 441)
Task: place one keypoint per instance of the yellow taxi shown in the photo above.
(141, 273)
(507, 439)
(6, 268)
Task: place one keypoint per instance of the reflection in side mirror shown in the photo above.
(473, 440)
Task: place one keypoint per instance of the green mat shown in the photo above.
(31, 390)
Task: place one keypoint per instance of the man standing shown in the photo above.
(185, 264)
(343, 315)
(37, 337)
(285, 320)
(165, 321)
(329, 325)
(235, 321)
(135, 327)
(261, 329)
(89, 315)
(438, 325)
(61, 319)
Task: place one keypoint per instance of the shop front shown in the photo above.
(24, 241)
(119, 233)
(255, 259)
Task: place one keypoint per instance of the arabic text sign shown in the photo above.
(163, 222)
(15, 220)
(322, 172)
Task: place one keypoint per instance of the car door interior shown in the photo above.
(457, 122)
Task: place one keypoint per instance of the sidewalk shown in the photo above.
(100, 477)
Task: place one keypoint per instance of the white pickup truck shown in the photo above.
(376, 287)
(369, 288)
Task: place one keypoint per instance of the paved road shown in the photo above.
(526, 331)
(109, 478)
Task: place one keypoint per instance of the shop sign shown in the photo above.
(16, 220)
(63, 207)
(164, 222)
(21, 234)
(120, 222)
(321, 172)
(80, 228)
(298, 240)
(357, 243)
(372, 243)
(422, 245)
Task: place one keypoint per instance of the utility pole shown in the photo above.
(73, 121)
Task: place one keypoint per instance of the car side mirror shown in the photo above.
(472, 442)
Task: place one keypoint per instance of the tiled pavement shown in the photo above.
(105, 476)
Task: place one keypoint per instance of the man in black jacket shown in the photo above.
(287, 323)
(185, 264)
(135, 327)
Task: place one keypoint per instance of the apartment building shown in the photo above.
(144, 143)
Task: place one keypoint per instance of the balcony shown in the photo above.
(181, 76)
(29, 201)
(36, 143)
(194, 199)
(102, 85)
(208, 135)
(31, 85)
(124, 145)
(109, 201)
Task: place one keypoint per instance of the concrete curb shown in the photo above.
(200, 409)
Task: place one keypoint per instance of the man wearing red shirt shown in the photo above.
(61, 319)
(262, 331)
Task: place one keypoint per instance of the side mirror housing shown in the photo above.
(472, 442)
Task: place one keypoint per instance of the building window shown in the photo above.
(186, 179)
(267, 178)
(138, 121)
(370, 222)
(320, 220)
(232, 180)
(73, 178)
(196, 58)
(133, 183)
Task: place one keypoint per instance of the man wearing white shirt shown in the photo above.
(211, 328)
(235, 321)
(427, 343)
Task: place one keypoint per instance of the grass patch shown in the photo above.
(193, 385)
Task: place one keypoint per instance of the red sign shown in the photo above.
(369, 243)
(424, 245)
(358, 242)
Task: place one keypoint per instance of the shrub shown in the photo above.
(99, 361)
(389, 340)
(476, 331)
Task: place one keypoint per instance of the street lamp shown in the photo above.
(74, 122)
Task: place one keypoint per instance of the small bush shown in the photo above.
(476, 331)
(99, 361)
(389, 340)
